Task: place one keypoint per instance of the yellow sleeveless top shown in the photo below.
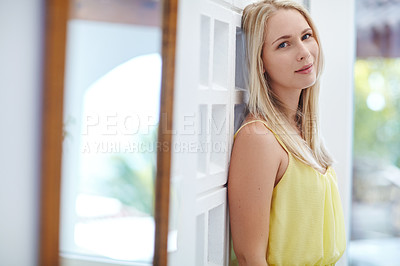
(306, 218)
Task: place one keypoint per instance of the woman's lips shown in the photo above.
(306, 69)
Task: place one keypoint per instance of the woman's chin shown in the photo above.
(309, 83)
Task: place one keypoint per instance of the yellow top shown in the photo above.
(306, 218)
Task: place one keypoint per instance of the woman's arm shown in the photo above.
(254, 165)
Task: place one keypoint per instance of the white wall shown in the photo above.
(21, 32)
(336, 25)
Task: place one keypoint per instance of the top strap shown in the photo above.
(265, 124)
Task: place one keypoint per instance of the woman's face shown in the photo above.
(290, 51)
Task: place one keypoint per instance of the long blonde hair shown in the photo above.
(264, 104)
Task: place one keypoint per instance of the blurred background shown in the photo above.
(375, 210)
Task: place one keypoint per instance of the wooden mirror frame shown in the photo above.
(57, 14)
(161, 213)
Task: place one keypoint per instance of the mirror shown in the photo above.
(110, 124)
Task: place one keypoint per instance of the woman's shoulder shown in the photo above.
(255, 133)
(252, 125)
(256, 151)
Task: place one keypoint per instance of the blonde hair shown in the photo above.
(264, 104)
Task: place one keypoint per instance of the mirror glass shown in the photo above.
(111, 109)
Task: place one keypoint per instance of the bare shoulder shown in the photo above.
(256, 134)
(256, 150)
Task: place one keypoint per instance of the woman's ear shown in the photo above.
(263, 68)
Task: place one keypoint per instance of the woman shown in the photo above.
(284, 203)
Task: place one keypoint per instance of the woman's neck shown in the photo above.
(290, 100)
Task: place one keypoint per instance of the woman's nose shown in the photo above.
(303, 52)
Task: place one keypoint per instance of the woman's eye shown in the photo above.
(306, 36)
(283, 45)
